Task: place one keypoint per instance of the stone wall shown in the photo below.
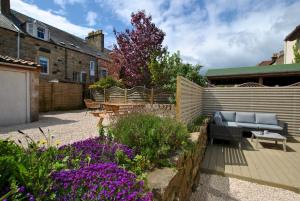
(177, 184)
(62, 61)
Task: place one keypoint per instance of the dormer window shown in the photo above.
(38, 30)
(41, 33)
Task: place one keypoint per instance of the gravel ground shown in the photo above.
(219, 188)
(67, 127)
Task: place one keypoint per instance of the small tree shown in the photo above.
(165, 68)
(296, 52)
(135, 47)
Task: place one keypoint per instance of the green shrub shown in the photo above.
(153, 137)
(105, 83)
(29, 168)
(194, 126)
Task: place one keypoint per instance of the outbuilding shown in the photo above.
(19, 91)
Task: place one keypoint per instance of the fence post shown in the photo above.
(52, 97)
(125, 95)
(152, 96)
(178, 97)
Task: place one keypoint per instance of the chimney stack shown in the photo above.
(95, 39)
(5, 7)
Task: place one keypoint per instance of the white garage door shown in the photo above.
(13, 97)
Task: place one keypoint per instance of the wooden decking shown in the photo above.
(268, 164)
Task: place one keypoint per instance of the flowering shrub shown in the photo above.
(93, 150)
(104, 181)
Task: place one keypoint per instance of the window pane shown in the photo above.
(41, 32)
(92, 68)
(44, 63)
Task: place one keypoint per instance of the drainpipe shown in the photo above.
(18, 42)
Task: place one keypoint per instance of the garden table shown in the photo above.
(269, 136)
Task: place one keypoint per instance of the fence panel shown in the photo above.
(284, 101)
(188, 100)
(60, 96)
(135, 94)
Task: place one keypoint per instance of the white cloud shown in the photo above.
(63, 3)
(91, 18)
(218, 33)
(50, 18)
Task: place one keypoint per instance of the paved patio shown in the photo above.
(268, 164)
(66, 126)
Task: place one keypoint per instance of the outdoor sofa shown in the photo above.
(230, 125)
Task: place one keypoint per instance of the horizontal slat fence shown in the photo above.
(284, 101)
(135, 94)
(188, 100)
(60, 96)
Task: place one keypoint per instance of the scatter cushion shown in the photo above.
(230, 124)
(247, 125)
(228, 116)
(218, 118)
(266, 118)
(245, 117)
(269, 127)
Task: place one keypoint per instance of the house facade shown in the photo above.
(289, 42)
(61, 55)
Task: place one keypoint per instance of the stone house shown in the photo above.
(61, 55)
(290, 40)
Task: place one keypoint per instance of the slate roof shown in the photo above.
(294, 34)
(253, 70)
(7, 59)
(57, 36)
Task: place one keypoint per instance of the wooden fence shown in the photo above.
(192, 100)
(135, 94)
(188, 100)
(60, 96)
(284, 101)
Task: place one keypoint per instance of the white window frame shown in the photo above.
(81, 73)
(47, 60)
(92, 68)
(44, 33)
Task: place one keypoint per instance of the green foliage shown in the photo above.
(165, 68)
(296, 52)
(154, 138)
(194, 126)
(137, 165)
(30, 168)
(105, 83)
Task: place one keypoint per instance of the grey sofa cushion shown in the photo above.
(245, 117)
(247, 125)
(218, 118)
(269, 127)
(266, 118)
(230, 124)
(228, 116)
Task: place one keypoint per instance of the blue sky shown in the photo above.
(213, 33)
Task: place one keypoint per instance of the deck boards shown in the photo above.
(268, 164)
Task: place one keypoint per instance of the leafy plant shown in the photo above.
(27, 168)
(165, 68)
(134, 48)
(194, 126)
(105, 83)
(296, 51)
(153, 137)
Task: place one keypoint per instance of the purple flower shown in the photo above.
(97, 149)
(102, 181)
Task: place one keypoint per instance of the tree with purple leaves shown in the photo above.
(134, 48)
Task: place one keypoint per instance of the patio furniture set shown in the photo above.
(230, 125)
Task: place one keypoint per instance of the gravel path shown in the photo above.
(219, 188)
(67, 127)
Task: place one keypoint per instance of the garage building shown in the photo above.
(19, 91)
